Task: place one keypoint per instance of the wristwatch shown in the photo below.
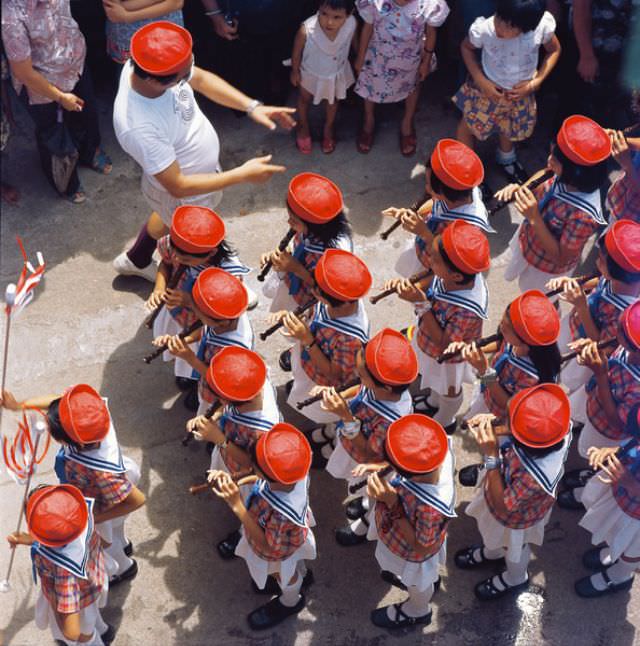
(224, 445)
(350, 430)
(491, 462)
(489, 377)
(252, 106)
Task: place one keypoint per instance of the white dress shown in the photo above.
(325, 71)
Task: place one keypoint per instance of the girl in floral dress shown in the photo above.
(396, 54)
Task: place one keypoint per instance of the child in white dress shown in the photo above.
(320, 67)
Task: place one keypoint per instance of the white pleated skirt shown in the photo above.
(277, 290)
(341, 464)
(441, 376)
(408, 262)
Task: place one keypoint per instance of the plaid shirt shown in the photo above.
(623, 200)
(429, 524)
(283, 536)
(108, 489)
(309, 260)
(625, 390)
(66, 592)
(526, 501)
(627, 491)
(341, 349)
(571, 226)
(373, 427)
(241, 435)
(514, 374)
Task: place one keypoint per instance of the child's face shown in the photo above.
(192, 261)
(296, 223)
(438, 265)
(331, 20)
(363, 372)
(508, 333)
(504, 29)
(601, 265)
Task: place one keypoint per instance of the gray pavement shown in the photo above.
(85, 325)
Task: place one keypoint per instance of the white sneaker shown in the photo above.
(125, 267)
(253, 298)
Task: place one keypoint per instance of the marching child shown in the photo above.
(604, 404)
(387, 366)
(238, 377)
(320, 67)
(612, 499)
(596, 316)
(411, 516)
(499, 97)
(276, 520)
(451, 306)
(220, 302)
(327, 347)
(523, 463)
(565, 211)
(91, 459)
(526, 355)
(623, 198)
(67, 556)
(196, 241)
(453, 174)
(396, 54)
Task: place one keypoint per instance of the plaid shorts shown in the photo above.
(513, 119)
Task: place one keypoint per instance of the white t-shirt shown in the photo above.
(157, 132)
(507, 61)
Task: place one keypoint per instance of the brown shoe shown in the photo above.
(364, 142)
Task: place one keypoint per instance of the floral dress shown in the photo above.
(390, 70)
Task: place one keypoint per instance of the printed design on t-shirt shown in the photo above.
(184, 103)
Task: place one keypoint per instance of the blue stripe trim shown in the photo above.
(548, 484)
(451, 297)
(575, 200)
(322, 318)
(619, 301)
(286, 510)
(262, 422)
(523, 363)
(379, 407)
(477, 220)
(429, 499)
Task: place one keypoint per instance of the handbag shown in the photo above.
(64, 155)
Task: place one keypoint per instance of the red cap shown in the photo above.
(416, 443)
(540, 416)
(534, 318)
(583, 141)
(456, 165)
(467, 247)
(83, 414)
(161, 48)
(391, 359)
(219, 295)
(630, 322)
(196, 229)
(342, 275)
(314, 198)
(283, 454)
(236, 374)
(622, 242)
(57, 515)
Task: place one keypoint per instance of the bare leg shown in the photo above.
(302, 115)
(505, 145)
(156, 228)
(369, 122)
(330, 112)
(407, 126)
(464, 134)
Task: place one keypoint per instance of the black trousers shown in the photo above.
(82, 126)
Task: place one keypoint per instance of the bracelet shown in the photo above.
(213, 12)
(489, 377)
(491, 462)
(252, 106)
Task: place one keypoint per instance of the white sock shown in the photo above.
(326, 451)
(516, 571)
(605, 556)
(433, 399)
(359, 527)
(291, 593)
(116, 552)
(619, 572)
(101, 624)
(491, 555)
(449, 406)
(417, 604)
(504, 159)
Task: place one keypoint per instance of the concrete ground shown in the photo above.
(85, 325)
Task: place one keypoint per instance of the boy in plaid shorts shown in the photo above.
(564, 212)
(276, 520)
(607, 398)
(67, 556)
(90, 458)
(623, 198)
(522, 467)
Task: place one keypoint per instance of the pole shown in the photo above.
(9, 299)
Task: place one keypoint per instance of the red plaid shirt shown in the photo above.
(283, 536)
(341, 349)
(374, 429)
(429, 524)
(240, 435)
(108, 489)
(625, 390)
(623, 200)
(458, 323)
(569, 225)
(66, 592)
(526, 501)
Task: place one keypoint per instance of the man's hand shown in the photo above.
(259, 169)
(223, 29)
(588, 67)
(269, 115)
(9, 402)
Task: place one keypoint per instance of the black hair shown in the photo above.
(615, 270)
(224, 251)
(585, 178)
(336, 5)
(147, 76)
(253, 452)
(452, 194)
(330, 232)
(334, 302)
(55, 425)
(466, 278)
(401, 472)
(396, 390)
(523, 14)
(537, 453)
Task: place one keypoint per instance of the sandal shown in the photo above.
(487, 591)
(408, 144)
(465, 559)
(328, 145)
(101, 162)
(364, 142)
(303, 144)
(79, 197)
(381, 619)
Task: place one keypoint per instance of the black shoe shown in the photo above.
(184, 383)
(128, 548)
(421, 405)
(451, 428)
(584, 588)
(129, 573)
(271, 586)
(487, 591)
(209, 447)
(288, 386)
(285, 360)
(567, 500)
(346, 537)
(227, 547)
(318, 461)
(191, 401)
(514, 172)
(355, 509)
(380, 618)
(465, 558)
(591, 559)
(273, 613)
(108, 635)
(577, 478)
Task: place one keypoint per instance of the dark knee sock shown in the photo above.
(142, 250)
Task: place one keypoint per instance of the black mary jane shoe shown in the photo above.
(108, 635)
(346, 537)
(577, 478)
(584, 588)
(422, 406)
(355, 509)
(272, 613)
(487, 591)
(285, 361)
(128, 574)
(191, 401)
(128, 548)
(380, 618)
(466, 560)
(591, 559)
(184, 383)
(227, 546)
(272, 587)
(567, 500)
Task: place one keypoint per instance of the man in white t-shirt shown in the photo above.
(159, 123)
